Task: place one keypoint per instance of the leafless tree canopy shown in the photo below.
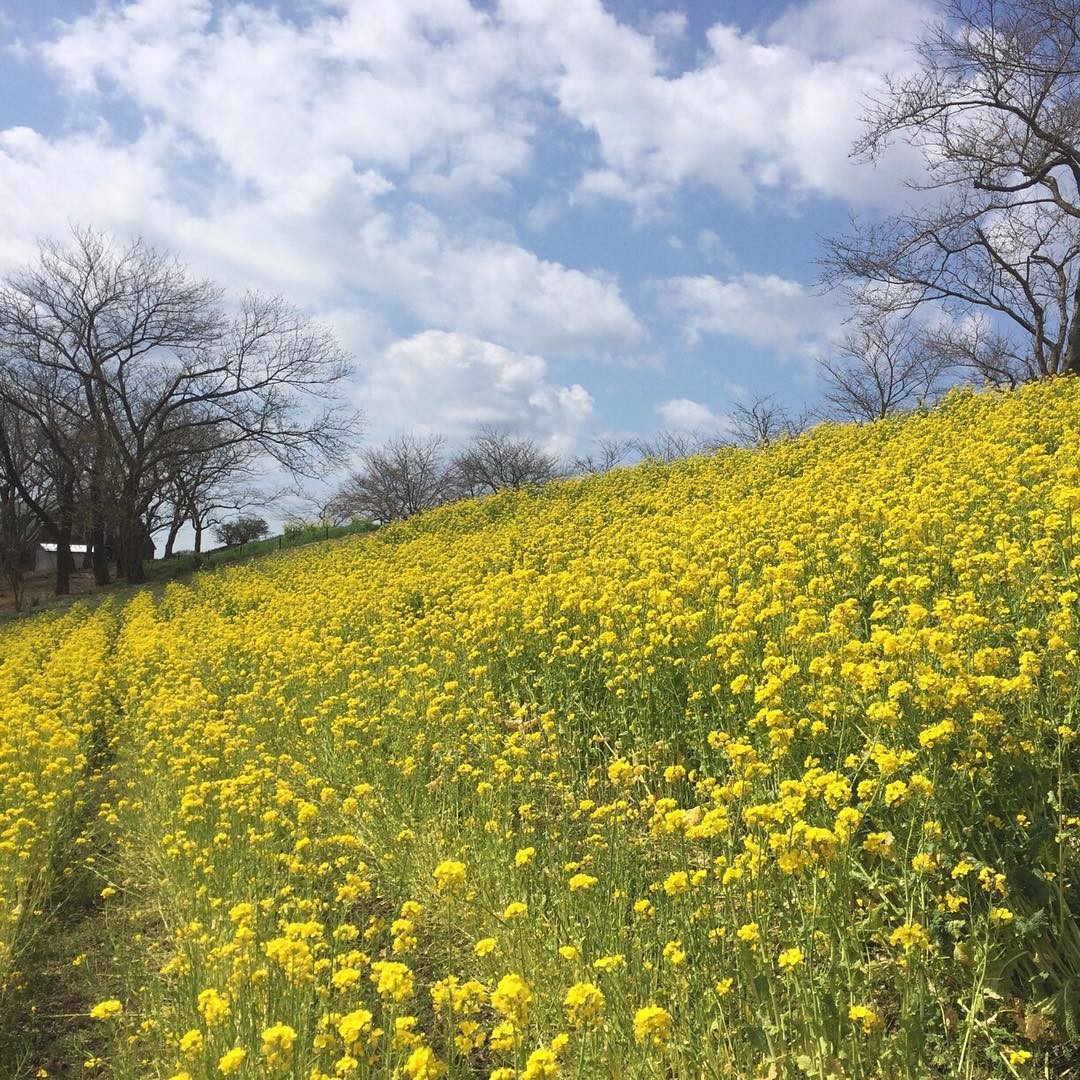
(406, 475)
(995, 109)
(495, 460)
(885, 363)
(213, 481)
(763, 420)
(45, 449)
(994, 103)
(672, 445)
(122, 353)
(608, 454)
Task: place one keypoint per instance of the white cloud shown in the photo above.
(451, 383)
(754, 114)
(44, 183)
(418, 87)
(323, 236)
(448, 98)
(764, 309)
(682, 414)
(843, 28)
(712, 248)
(289, 156)
(348, 156)
(508, 293)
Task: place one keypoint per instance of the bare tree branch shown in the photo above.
(609, 454)
(884, 364)
(763, 420)
(995, 109)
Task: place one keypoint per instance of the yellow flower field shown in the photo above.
(760, 765)
(52, 707)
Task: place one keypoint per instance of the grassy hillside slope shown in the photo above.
(757, 765)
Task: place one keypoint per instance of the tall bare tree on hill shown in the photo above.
(609, 452)
(673, 444)
(762, 420)
(994, 105)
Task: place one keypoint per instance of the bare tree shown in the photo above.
(19, 525)
(763, 420)
(149, 361)
(609, 454)
(1017, 264)
(406, 475)
(995, 109)
(18, 530)
(43, 447)
(975, 345)
(670, 445)
(319, 506)
(494, 460)
(885, 363)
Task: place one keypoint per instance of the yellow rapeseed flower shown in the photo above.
(652, 1024)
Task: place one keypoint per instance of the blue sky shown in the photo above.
(564, 217)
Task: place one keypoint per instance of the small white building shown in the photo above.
(45, 555)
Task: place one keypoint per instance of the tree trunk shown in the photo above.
(130, 555)
(15, 581)
(64, 562)
(100, 553)
(174, 531)
(134, 570)
(197, 522)
(1072, 355)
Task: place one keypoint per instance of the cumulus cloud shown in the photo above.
(497, 290)
(450, 98)
(451, 383)
(297, 156)
(772, 113)
(420, 88)
(682, 414)
(45, 181)
(509, 293)
(837, 29)
(314, 241)
(763, 309)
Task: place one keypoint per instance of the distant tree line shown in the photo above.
(410, 473)
(133, 400)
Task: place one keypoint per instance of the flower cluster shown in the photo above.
(757, 764)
